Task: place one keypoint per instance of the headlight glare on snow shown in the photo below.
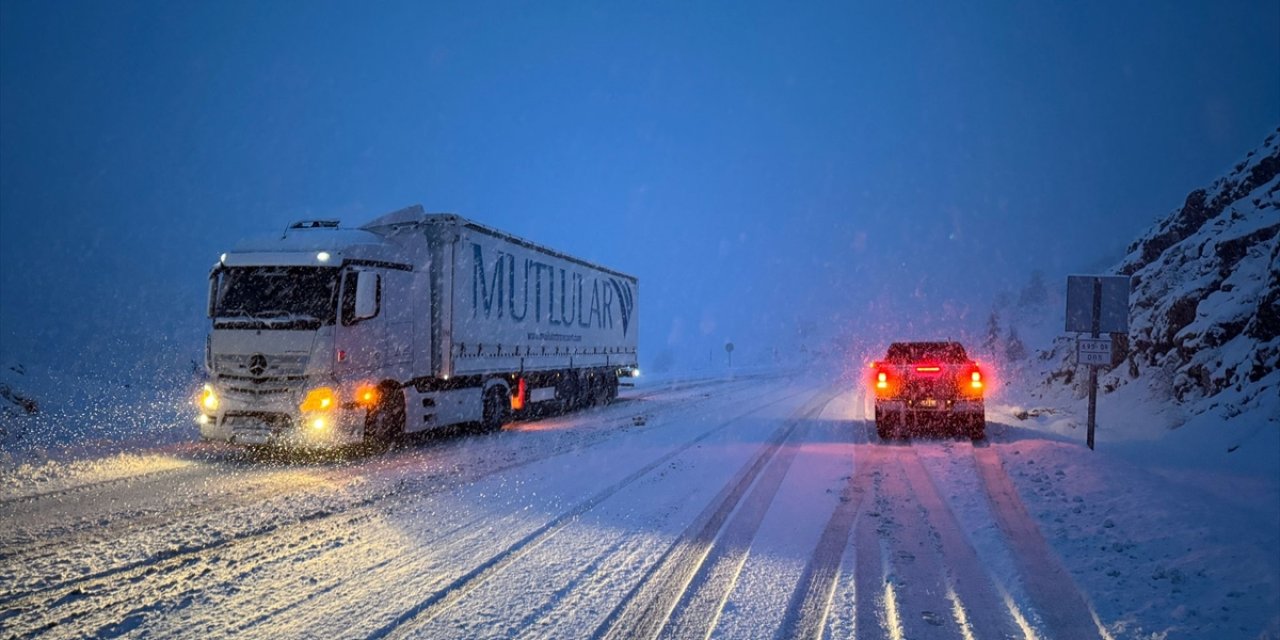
(321, 399)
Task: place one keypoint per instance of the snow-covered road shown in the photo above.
(722, 508)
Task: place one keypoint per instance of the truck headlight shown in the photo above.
(208, 399)
(321, 399)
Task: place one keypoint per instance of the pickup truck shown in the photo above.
(929, 387)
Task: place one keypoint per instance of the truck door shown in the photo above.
(361, 332)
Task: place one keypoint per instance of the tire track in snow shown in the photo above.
(970, 586)
(698, 609)
(915, 572)
(806, 612)
(647, 607)
(185, 566)
(1061, 604)
(445, 597)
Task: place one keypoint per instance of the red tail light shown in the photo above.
(882, 382)
(971, 382)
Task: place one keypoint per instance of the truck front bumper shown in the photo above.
(271, 428)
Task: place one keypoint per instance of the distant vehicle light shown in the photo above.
(321, 399)
(208, 398)
(635, 373)
(323, 256)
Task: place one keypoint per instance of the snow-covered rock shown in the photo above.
(1205, 304)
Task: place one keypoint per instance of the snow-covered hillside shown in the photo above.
(1207, 292)
(1205, 303)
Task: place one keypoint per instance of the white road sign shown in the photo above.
(1094, 351)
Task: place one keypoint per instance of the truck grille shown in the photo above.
(259, 366)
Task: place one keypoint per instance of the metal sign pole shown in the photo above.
(1093, 368)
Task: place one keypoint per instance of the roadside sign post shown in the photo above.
(1096, 304)
(728, 348)
(1093, 368)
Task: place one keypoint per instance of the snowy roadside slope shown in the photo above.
(1207, 291)
(1205, 321)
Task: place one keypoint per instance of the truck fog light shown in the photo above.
(318, 424)
(209, 398)
(202, 419)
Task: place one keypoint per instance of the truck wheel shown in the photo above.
(385, 422)
(978, 427)
(884, 426)
(883, 430)
(497, 410)
(597, 391)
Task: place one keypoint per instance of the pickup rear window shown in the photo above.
(926, 351)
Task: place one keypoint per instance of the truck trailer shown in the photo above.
(326, 335)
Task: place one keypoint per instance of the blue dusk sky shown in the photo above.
(768, 170)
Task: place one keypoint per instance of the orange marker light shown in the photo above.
(367, 395)
(517, 401)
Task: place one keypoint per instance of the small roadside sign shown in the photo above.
(1094, 351)
(1097, 305)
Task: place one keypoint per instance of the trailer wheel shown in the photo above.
(385, 422)
(497, 409)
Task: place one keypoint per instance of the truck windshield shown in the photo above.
(275, 297)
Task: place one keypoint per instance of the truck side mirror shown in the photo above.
(368, 290)
(214, 277)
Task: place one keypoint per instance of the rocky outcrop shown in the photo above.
(1205, 303)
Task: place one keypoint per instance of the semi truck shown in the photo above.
(326, 336)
